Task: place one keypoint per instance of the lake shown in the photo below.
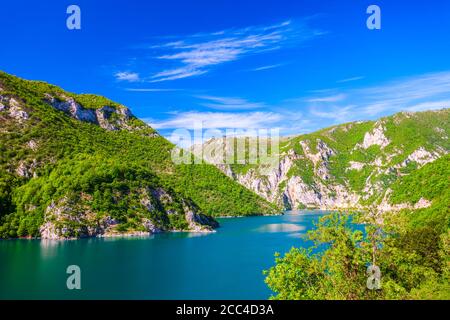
(227, 264)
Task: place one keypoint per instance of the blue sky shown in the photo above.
(296, 65)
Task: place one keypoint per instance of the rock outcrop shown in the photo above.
(107, 117)
(327, 175)
(66, 219)
(198, 222)
(70, 218)
(376, 137)
(13, 108)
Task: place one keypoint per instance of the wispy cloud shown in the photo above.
(175, 74)
(310, 113)
(350, 79)
(229, 103)
(127, 76)
(339, 114)
(196, 54)
(272, 66)
(416, 93)
(218, 120)
(334, 98)
(151, 89)
(429, 105)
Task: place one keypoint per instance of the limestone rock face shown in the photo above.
(299, 194)
(376, 137)
(74, 217)
(151, 227)
(14, 108)
(64, 219)
(319, 159)
(268, 185)
(33, 145)
(386, 206)
(198, 222)
(75, 110)
(316, 171)
(422, 157)
(27, 170)
(107, 117)
(354, 165)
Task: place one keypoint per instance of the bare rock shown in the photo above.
(376, 137)
(66, 219)
(32, 144)
(27, 170)
(354, 165)
(150, 226)
(198, 222)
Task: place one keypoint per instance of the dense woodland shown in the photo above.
(49, 157)
(411, 248)
(103, 169)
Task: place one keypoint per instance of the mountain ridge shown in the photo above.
(348, 166)
(82, 165)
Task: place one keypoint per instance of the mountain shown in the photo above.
(77, 165)
(352, 165)
(431, 185)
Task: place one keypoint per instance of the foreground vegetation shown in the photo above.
(411, 248)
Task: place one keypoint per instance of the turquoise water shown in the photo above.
(227, 264)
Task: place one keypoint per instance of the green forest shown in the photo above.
(59, 171)
(105, 171)
(411, 248)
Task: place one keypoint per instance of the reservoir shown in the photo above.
(227, 264)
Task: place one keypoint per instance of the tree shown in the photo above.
(414, 260)
(333, 268)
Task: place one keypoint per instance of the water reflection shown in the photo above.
(198, 234)
(177, 265)
(172, 235)
(298, 235)
(280, 227)
(125, 237)
(50, 248)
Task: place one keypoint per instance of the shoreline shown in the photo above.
(142, 234)
(116, 235)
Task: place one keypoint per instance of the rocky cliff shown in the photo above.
(350, 165)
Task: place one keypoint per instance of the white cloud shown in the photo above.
(175, 74)
(150, 89)
(350, 79)
(211, 120)
(127, 76)
(339, 114)
(334, 98)
(307, 114)
(196, 54)
(229, 103)
(272, 66)
(415, 93)
(432, 105)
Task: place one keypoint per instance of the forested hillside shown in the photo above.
(82, 165)
(411, 247)
(350, 165)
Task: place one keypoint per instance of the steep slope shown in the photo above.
(350, 165)
(81, 165)
(431, 185)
